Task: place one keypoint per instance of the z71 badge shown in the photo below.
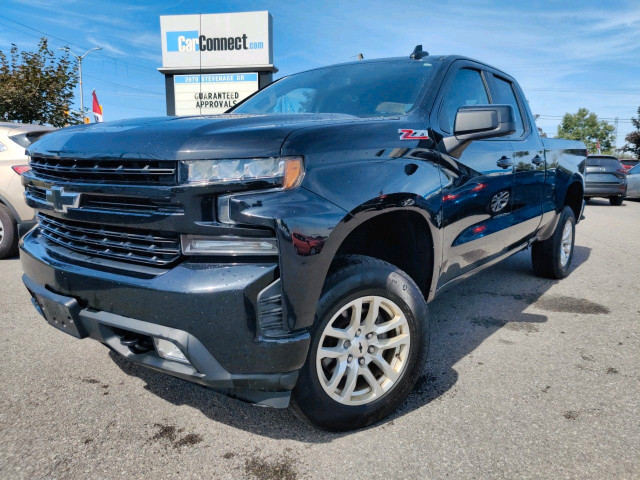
(410, 134)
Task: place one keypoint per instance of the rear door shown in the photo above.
(477, 181)
(529, 159)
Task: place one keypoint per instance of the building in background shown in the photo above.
(213, 61)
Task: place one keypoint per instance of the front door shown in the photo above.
(477, 182)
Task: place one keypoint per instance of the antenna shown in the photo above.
(418, 53)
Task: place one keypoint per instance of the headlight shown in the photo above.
(201, 245)
(283, 171)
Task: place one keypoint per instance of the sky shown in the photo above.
(565, 55)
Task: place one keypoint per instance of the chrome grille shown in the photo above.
(112, 203)
(114, 171)
(114, 243)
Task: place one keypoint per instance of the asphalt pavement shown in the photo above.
(527, 378)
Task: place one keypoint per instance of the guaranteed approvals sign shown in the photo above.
(212, 93)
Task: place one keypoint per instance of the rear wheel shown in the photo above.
(8, 233)
(586, 199)
(616, 201)
(551, 258)
(368, 345)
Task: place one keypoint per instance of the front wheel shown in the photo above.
(616, 201)
(551, 258)
(368, 347)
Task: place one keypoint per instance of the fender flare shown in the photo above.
(383, 205)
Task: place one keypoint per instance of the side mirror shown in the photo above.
(484, 121)
(478, 122)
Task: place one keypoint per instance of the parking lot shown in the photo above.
(526, 378)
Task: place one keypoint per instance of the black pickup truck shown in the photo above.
(286, 250)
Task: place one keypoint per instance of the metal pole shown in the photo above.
(81, 89)
(80, 58)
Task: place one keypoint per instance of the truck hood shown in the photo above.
(182, 138)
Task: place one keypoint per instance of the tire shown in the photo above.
(586, 199)
(363, 280)
(547, 256)
(616, 201)
(8, 233)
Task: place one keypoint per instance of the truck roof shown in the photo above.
(407, 59)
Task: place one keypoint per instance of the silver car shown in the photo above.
(15, 216)
(633, 182)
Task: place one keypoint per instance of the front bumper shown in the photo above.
(209, 310)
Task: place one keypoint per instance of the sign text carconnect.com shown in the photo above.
(216, 40)
(212, 93)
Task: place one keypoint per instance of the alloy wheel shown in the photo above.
(363, 350)
(566, 244)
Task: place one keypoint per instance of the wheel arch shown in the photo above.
(397, 235)
(573, 197)
(12, 211)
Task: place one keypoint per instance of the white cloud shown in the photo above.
(106, 46)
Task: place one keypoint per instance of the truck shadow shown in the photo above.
(490, 303)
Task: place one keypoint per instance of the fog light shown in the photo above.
(169, 350)
(200, 245)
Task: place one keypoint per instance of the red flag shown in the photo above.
(97, 108)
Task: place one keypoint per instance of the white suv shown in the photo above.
(15, 216)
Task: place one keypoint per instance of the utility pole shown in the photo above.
(80, 58)
(615, 141)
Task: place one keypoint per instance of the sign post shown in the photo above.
(213, 61)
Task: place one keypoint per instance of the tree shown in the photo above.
(585, 126)
(633, 138)
(35, 87)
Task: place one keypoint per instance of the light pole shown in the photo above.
(80, 58)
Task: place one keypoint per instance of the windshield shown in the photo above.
(610, 162)
(363, 90)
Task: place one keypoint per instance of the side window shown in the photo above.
(466, 89)
(635, 170)
(504, 95)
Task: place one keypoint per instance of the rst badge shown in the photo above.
(411, 134)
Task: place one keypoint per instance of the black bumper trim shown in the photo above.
(270, 389)
(24, 227)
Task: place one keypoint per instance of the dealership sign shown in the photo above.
(211, 93)
(216, 40)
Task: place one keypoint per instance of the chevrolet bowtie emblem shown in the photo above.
(61, 200)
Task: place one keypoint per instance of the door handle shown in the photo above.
(537, 160)
(505, 162)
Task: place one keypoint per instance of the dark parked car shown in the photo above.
(606, 177)
(288, 249)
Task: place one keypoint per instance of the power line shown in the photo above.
(114, 84)
(121, 85)
(67, 42)
(551, 117)
(577, 90)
